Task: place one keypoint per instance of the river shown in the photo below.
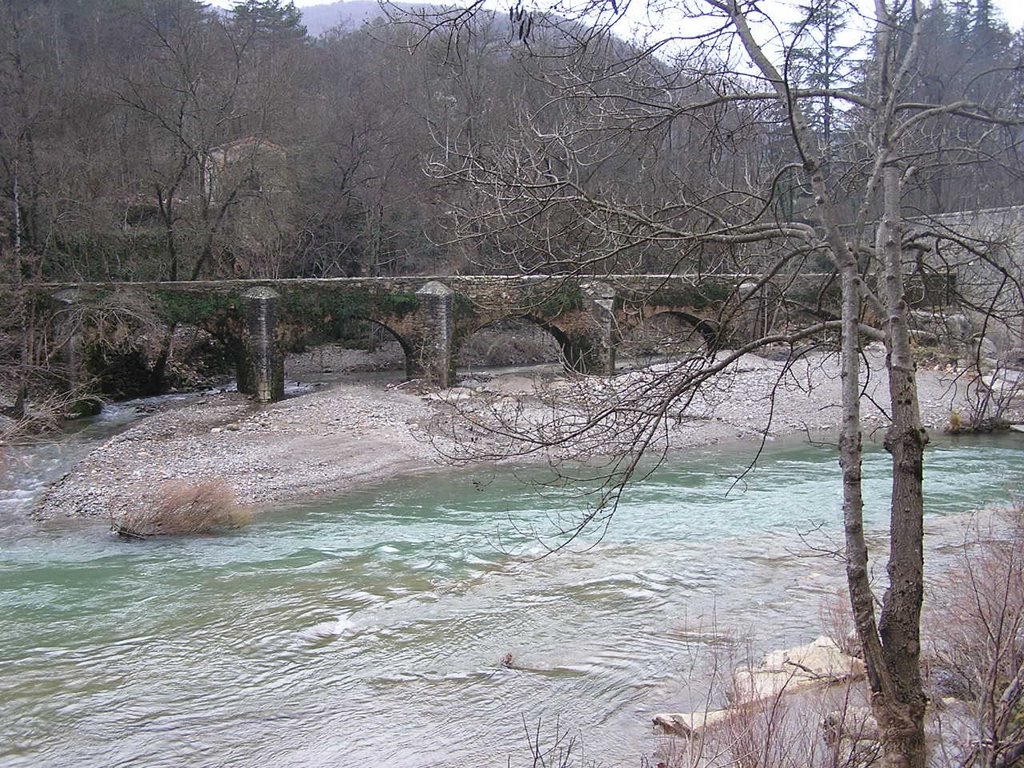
(413, 625)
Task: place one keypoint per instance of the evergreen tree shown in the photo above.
(969, 55)
(983, 15)
(269, 20)
(963, 15)
(818, 59)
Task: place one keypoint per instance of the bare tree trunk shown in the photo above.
(166, 203)
(892, 644)
(16, 196)
(901, 717)
(862, 599)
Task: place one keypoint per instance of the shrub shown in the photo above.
(512, 342)
(180, 507)
(977, 644)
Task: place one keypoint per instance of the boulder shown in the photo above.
(1005, 383)
(788, 671)
(850, 724)
(795, 669)
(852, 735)
(689, 724)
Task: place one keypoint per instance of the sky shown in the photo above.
(1012, 11)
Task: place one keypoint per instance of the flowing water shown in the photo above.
(26, 471)
(410, 625)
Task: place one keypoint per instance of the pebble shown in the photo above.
(274, 453)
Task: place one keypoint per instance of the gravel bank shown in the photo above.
(330, 440)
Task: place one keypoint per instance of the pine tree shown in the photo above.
(983, 15)
(269, 20)
(963, 16)
(967, 54)
(819, 60)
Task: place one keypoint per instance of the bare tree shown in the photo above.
(203, 105)
(365, 203)
(547, 192)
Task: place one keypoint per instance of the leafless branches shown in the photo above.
(977, 639)
(561, 750)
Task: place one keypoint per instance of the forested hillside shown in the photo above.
(161, 139)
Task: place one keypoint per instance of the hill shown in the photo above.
(346, 13)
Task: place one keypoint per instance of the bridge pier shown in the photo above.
(72, 370)
(437, 304)
(261, 373)
(69, 333)
(603, 339)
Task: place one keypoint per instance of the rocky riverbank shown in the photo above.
(350, 434)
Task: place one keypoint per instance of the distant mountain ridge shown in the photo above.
(346, 13)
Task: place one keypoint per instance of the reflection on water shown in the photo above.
(410, 625)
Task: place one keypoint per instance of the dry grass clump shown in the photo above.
(27, 412)
(180, 507)
(510, 342)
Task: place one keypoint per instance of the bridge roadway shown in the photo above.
(260, 320)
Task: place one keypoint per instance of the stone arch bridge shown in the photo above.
(260, 320)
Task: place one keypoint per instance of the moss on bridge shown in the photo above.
(711, 292)
(566, 297)
(197, 303)
(494, 300)
(195, 307)
(347, 305)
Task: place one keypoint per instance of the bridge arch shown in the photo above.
(707, 329)
(408, 350)
(569, 351)
(354, 329)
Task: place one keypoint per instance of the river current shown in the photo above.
(413, 625)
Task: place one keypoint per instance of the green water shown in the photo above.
(370, 630)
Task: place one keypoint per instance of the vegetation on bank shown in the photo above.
(162, 139)
(179, 507)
